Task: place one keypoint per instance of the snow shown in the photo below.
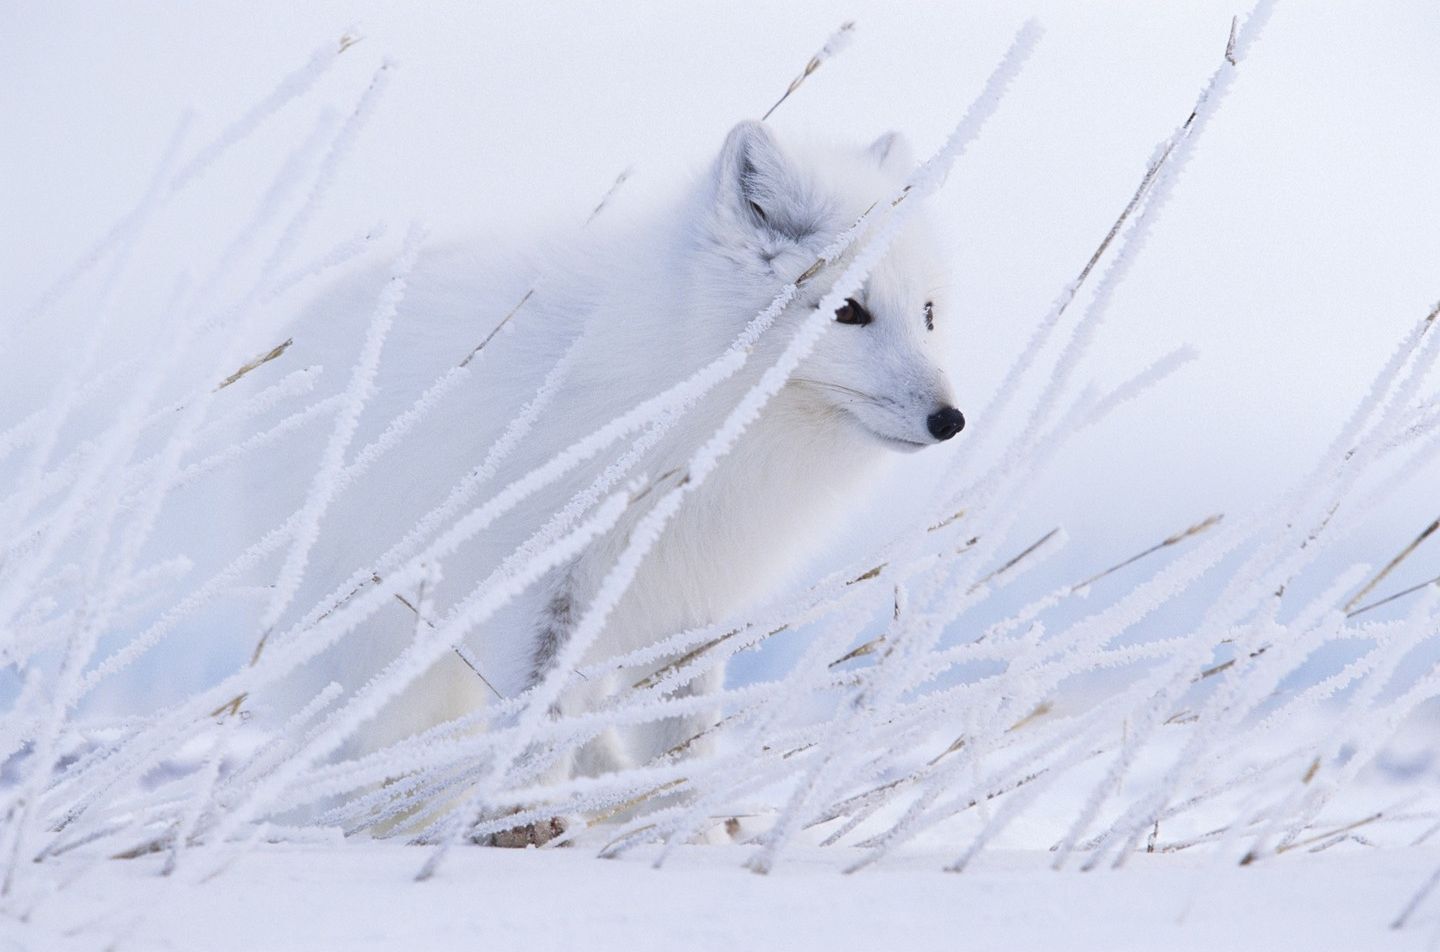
(363, 898)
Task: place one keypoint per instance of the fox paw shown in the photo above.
(530, 834)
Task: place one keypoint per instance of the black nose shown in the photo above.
(945, 423)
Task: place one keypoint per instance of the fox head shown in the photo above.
(770, 212)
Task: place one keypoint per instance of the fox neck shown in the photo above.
(771, 504)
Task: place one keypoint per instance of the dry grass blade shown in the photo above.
(630, 804)
(1025, 553)
(460, 652)
(873, 643)
(1141, 190)
(955, 745)
(1398, 595)
(684, 745)
(870, 646)
(833, 45)
(620, 180)
(1416, 900)
(1321, 837)
(610, 849)
(1041, 709)
(868, 575)
(464, 656)
(1380, 576)
(1175, 539)
(946, 521)
(651, 680)
(230, 708)
(497, 328)
(667, 475)
(860, 652)
(1218, 669)
(260, 361)
(837, 41)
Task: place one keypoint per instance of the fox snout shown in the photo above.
(945, 423)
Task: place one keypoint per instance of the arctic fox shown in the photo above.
(639, 306)
(872, 385)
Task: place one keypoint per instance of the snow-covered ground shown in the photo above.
(362, 898)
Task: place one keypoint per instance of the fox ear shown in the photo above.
(757, 183)
(891, 153)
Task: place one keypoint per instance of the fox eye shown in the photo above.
(852, 312)
(929, 315)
